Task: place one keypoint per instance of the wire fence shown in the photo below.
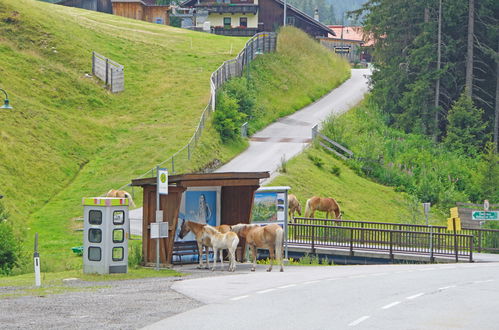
(263, 42)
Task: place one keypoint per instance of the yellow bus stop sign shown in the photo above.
(450, 224)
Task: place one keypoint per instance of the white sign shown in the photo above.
(159, 230)
(162, 181)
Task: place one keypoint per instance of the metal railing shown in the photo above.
(484, 240)
(457, 246)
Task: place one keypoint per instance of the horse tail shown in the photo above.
(278, 244)
(130, 199)
(307, 208)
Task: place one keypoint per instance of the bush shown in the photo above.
(316, 160)
(227, 119)
(335, 170)
(9, 245)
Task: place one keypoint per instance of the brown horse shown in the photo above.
(121, 194)
(324, 204)
(267, 237)
(197, 230)
(293, 206)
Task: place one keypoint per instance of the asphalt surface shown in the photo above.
(288, 136)
(439, 296)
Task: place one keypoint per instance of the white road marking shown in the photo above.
(379, 274)
(425, 269)
(447, 287)
(359, 320)
(265, 291)
(239, 298)
(484, 281)
(287, 286)
(395, 303)
(415, 296)
(310, 282)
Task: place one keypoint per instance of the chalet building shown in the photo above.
(247, 17)
(349, 42)
(103, 6)
(144, 10)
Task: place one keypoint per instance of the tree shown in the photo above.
(466, 129)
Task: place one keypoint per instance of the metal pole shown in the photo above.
(285, 226)
(157, 219)
(455, 239)
(285, 10)
(431, 243)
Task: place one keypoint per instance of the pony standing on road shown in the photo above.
(121, 194)
(324, 204)
(293, 206)
(221, 241)
(197, 230)
(267, 237)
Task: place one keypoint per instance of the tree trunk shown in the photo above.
(496, 123)
(437, 84)
(469, 57)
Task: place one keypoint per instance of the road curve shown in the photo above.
(289, 135)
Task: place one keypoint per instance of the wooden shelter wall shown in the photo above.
(235, 206)
(128, 9)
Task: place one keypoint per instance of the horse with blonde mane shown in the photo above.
(121, 194)
(221, 241)
(293, 206)
(197, 230)
(325, 204)
(267, 237)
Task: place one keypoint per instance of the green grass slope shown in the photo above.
(68, 137)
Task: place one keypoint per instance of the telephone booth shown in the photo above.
(105, 235)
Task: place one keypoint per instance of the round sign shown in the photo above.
(163, 177)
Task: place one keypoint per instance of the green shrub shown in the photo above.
(335, 170)
(227, 119)
(316, 160)
(9, 244)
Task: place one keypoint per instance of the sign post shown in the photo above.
(157, 229)
(426, 207)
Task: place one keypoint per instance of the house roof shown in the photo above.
(148, 3)
(296, 11)
(351, 33)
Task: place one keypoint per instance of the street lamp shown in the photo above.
(6, 104)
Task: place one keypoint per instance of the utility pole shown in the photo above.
(285, 10)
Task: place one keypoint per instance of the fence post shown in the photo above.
(431, 245)
(351, 242)
(107, 70)
(173, 164)
(315, 130)
(391, 245)
(93, 63)
(189, 151)
(479, 241)
(471, 249)
(313, 240)
(455, 239)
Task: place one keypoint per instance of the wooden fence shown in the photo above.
(330, 145)
(110, 72)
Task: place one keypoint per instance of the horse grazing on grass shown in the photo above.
(221, 241)
(324, 204)
(293, 206)
(121, 194)
(267, 237)
(197, 230)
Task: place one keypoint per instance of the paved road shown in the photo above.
(289, 135)
(370, 297)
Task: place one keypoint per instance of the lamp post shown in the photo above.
(6, 104)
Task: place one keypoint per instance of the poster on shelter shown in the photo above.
(198, 206)
(266, 208)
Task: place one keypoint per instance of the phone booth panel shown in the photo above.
(105, 235)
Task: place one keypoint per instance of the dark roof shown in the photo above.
(222, 178)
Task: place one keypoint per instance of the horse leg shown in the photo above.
(232, 257)
(253, 253)
(272, 258)
(222, 259)
(215, 251)
(200, 255)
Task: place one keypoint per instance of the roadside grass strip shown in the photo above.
(359, 320)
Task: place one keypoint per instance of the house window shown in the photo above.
(227, 22)
(243, 21)
(290, 20)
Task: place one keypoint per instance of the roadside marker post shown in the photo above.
(160, 229)
(36, 257)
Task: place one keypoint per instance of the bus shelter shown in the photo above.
(212, 198)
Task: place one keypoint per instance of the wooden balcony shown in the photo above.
(235, 32)
(228, 8)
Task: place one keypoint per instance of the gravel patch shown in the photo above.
(126, 304)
